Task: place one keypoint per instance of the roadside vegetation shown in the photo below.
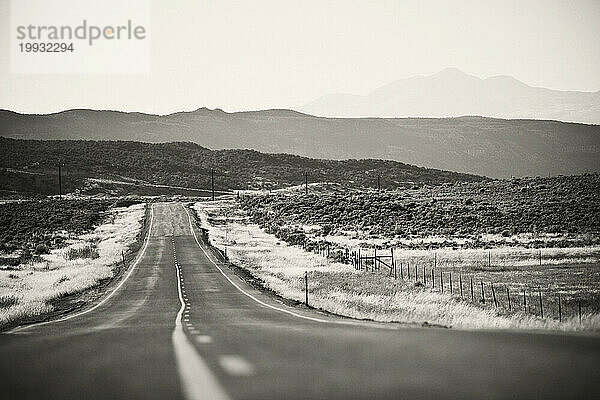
(280, 253)
(76, 246)
(33, 228)
(529, 212)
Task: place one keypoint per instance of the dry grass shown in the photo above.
(57, 275)
(340, 289)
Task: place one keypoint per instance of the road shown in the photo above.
(181, 326)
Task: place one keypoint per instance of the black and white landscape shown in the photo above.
(437, 237)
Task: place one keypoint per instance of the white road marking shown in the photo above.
(236, 365)
(133, 267)
(197, 380)
(202, 338)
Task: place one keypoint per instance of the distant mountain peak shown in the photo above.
(453, 72)
(453, 93)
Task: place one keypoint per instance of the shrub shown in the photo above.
(88, 251)
(8, 301)
(42, 248)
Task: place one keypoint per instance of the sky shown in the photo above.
(250, 55)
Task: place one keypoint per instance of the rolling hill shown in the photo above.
(475, 145)
(31, 166)
(452, 93)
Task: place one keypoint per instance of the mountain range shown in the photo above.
(453, 93)
(483, 146)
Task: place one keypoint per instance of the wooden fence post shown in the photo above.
(375, 259)
(450, 282)
(424, 277)
(432, 278)
(359, 260)
(508, 297)
(579, 307)
(401, 271)
(541, 306)
(559, 310)
(472, 291)
(460, 284)
(482, 293)
(524, 301)
(306, 287)
(494, 296)
(442, 281)
(408, 270)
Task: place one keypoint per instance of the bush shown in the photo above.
(88, 251)
(8, 301)
(42, 249)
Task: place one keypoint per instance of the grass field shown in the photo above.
(28, 289)
(339, 288)
(572, 274)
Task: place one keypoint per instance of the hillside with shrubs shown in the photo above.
(189, 165)
(569, 206)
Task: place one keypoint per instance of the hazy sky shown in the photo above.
(240, 55)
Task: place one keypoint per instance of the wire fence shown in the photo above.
(478, 280)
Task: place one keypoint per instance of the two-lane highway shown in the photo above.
(181, 325)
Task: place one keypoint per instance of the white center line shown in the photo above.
(197, 380)
(202, 338)
(236, 365)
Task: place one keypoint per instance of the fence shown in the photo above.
(446, 277)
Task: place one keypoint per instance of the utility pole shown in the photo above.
(212, 182)
(59, 180)
(306, 183)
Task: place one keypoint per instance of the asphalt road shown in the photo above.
(179, 326)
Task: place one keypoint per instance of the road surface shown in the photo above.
(179, 326)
